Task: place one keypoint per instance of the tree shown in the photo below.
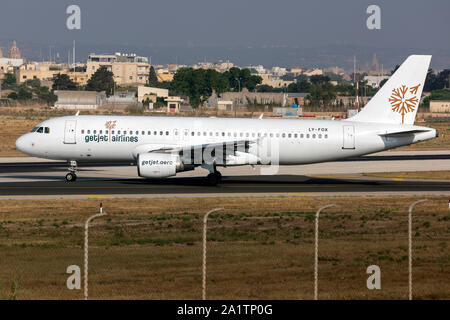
(101, 80)
(9, 80)
(319, 79)
(63, 82)
(198, 84)
(242, 78)
(24, 93)
(153, 78)
(45, 94)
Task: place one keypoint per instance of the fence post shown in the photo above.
(316, 250)
(86, 248)
(205, 220)
(411, 207)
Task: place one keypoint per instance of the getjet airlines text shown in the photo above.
(105, 138)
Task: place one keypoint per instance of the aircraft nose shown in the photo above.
(21, 144)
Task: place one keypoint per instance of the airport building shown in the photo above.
(440, 106)
(79, 99)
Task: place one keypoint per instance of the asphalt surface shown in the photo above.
(229, 185)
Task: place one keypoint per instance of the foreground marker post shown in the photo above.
(86, 248)
(411, 207)
(205, 220)
(316, 250)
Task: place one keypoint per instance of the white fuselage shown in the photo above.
(121, 138)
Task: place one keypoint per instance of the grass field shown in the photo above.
(259, 248)
(15, 123)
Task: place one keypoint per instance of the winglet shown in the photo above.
(261, 116)
(76, 114)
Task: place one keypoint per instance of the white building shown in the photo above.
(374, 81)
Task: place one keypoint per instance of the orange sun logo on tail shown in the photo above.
(401, 103)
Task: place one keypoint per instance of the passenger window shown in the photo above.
(223, 134)
(160, 133)
(112, 132)
(204, 133)
(314, 136)
(143, 133)
(192, 133)
(271, 135)
(155, 133)
(101, 131)
(125, 132)
(95, 131)
(289, 135)
(259, 134)
(278, 135)
(301, 135)
(167, 133)
(118, 131)
(235, 134)
(320, 136)
(284, 135)
(295, 135)
(82, 131)
(217, 134)
(326, 136)
(149, 133)
(199, 133)
(89, 131)
(47, 130)
(106, 131)
(307, 136)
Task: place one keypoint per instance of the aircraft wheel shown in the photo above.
(219, 176)
(70, 177)
(213, 179)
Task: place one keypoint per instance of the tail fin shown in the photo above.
(398, 100)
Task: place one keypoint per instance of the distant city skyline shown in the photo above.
(284, 33)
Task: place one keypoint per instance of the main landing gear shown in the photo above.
(214, 178)
(72, 176)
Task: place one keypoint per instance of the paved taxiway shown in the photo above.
(25, 177)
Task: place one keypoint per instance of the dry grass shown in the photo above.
(257, 249)
(432, 175)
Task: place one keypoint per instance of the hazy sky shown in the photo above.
(404, 23)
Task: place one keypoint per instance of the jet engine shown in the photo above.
(160, 165)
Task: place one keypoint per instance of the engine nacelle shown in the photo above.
(159, 165)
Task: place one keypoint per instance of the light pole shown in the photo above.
(316, 250)
(411, 207)
(205, 221)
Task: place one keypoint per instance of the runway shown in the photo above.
(36, 178)
(237, 185)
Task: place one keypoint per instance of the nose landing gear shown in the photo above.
(72, 176)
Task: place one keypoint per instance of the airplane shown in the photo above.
(163, 146)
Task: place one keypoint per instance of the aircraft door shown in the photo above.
(348, 137)
(69, 132)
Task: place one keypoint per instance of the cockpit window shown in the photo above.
(47, 130)
(34, 129)
(40, 129)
